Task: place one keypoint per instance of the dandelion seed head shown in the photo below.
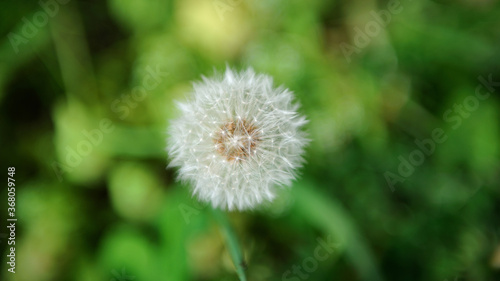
(237, 139)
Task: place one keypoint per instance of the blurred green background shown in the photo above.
(87, 89)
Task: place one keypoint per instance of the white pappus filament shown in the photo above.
(237, 139)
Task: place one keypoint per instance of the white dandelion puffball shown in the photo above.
(237, 139)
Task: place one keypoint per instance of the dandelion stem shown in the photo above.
(231, 242)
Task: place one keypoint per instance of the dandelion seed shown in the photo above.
(253, 144)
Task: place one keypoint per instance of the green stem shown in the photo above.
(232, 243)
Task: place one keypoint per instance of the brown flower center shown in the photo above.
(237, 140)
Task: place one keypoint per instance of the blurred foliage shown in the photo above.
(87, 89)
